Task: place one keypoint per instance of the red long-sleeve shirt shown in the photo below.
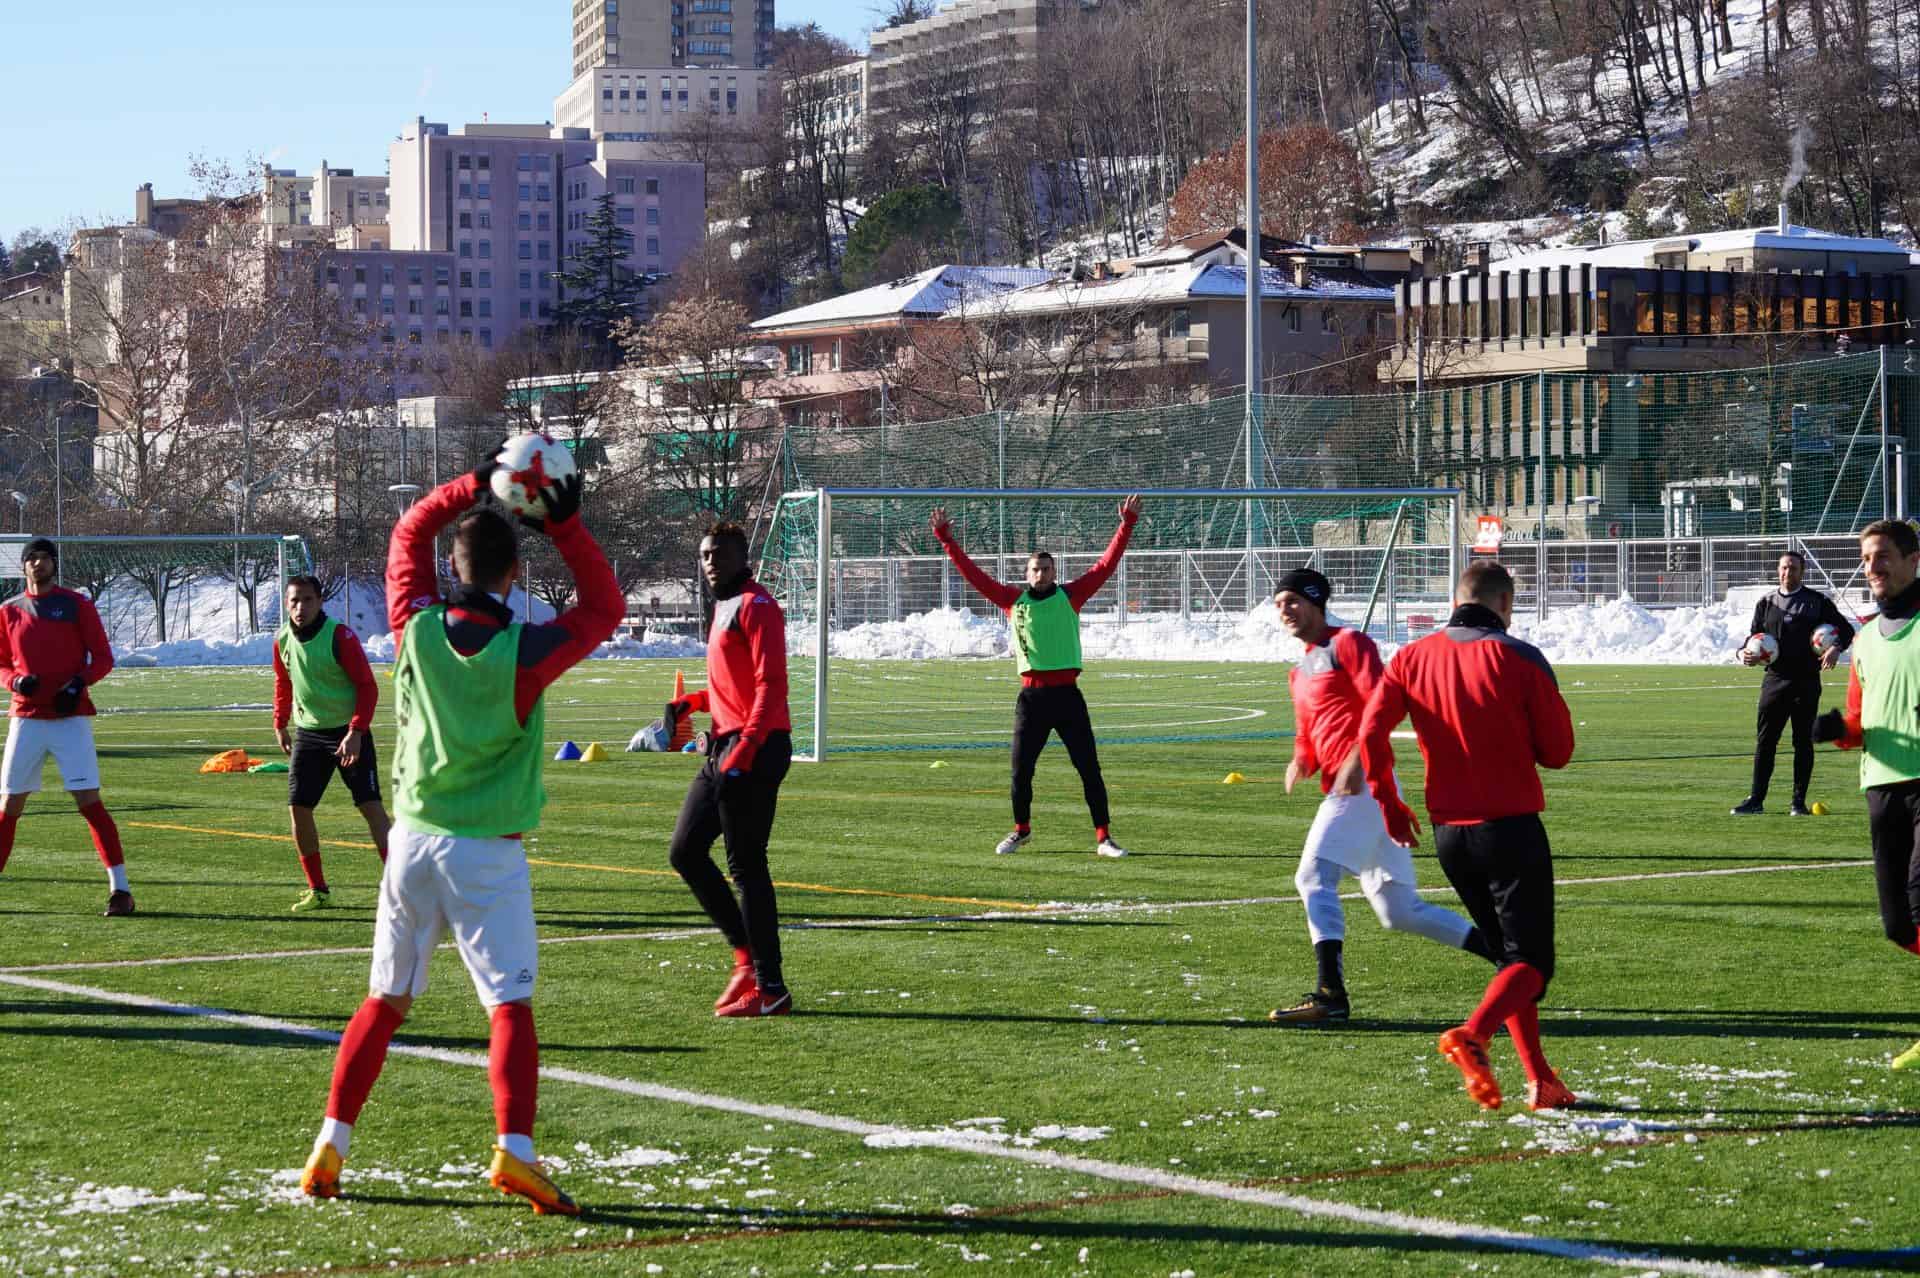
(746, 688)
(1330, 687)
(1004, 595)
(55, 635)
(1486, 709)
(352, 657)
(474, 618)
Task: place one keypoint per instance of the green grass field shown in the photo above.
(1047, 1062)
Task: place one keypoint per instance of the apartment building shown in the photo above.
(985, 41)
(652, 104)
(671, 33)
(831, 105)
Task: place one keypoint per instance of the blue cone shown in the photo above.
(567, 752)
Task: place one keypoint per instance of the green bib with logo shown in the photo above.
(464, 764)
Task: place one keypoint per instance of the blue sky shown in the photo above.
(100, 97)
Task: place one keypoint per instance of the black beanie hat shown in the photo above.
(1308, 584)
(37, 545)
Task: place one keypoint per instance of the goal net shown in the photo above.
(890, 648)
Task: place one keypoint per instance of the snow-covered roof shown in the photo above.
(1636, 253)
(931, 292)
(1166, 285)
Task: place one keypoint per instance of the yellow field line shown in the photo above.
(617, 869)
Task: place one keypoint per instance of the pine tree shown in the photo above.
(599, 289)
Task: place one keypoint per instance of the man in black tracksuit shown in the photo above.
(1791, 689)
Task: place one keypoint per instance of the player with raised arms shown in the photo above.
(1044, 618)
(52, 649)
(469, 748)
(1487, 712)
(1330, 685)
(324, 688)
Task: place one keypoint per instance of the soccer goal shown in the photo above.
(891, 649)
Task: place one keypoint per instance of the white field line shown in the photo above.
(959, 1142)
(1058, 910)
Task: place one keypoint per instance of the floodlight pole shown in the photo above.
(1253, 362)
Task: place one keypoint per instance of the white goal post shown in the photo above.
(1239, 539)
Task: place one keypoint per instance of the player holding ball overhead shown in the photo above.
(1796, 633)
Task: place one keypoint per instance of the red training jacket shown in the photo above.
(1487, 711)
(547, 650)
(746, 688)
(353, 659)
(55, 635)
(1004, 595)
(1330, 687)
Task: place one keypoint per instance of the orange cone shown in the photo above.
(683, 726)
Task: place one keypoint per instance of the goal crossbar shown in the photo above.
(823, 543)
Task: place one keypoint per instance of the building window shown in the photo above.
(441, 305)
(484, 190)
(486, 218)
(525, 164)
(1179, 322)
(466, 220)
(623, 185)
(543, 193)
(526, 310)
(465, 162)
(443, 275)
(486, 279)
(546, 251)
(653, 246)
(359, 275)
(485, 163)
(386, 275)
(466, 279)
(486, 248)
(466, 248)
(466, 310)
(625, 216)
(1293, 319)
(414, 275)
(466, 190)
(526, 279)
(526, 191)
(544, 222)
(333, 275)
(799, 357)
(1326, 319)
(413, 306)
(526, 250)
(653, 186)
(486, 338)
(653, 217)
(386, 306)
(526, 221)
(486, 307)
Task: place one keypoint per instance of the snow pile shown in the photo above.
(1621, 631)
(254, 650)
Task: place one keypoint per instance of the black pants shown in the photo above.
(740, 809)
(1038, 712)
(1503, 873)
(1893, 815)
(1781, 701)
(315, 760)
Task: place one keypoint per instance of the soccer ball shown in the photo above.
(526, 465)
(1824, 638)
(1763, 645)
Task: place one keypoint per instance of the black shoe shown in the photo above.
(1749, 806)
(1798, 809)
(119, 905)
(1316, 1008)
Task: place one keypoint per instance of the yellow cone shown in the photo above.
(1233, 778)
(1820, 809)
(594, 753)
(938, 763)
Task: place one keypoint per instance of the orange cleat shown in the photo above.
(757, 1002)
(1549, 1093)
(739, 985)
(1469, 1056)
(529, 1181)
(321, 1179)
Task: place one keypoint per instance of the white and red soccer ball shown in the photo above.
(526, 464)
(1762, 646)
(1825, 638)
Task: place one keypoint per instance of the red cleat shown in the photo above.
(1549, 1093)
(759, 1003)
(739, 985)
(1469, 1056)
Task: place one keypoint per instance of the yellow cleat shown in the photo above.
(1908, 1059)
(511, 1176)
(313, 899)
(321, 1179)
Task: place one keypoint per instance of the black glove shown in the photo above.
(675, 711)
(562, 500)
(488, 464)
(67, 700)
(1830, 726)
(26, 685)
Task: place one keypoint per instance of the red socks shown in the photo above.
(6, 842)
(513, 1068)
(1512, 989)
(1100, 833)
(106, 835)
(1524, 1027)
(8, 824)
(1022, 827)
(310, 866)
(363, 1050)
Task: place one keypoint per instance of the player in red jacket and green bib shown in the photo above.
(1044, 618)
(324, 688)
(466, 779)
(1882, 721)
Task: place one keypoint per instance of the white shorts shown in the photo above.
(479, 890)
(69, 741)
(1348, 831)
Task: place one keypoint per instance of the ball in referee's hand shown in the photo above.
(1762, 646)
(1825, 637)
(526, 465)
